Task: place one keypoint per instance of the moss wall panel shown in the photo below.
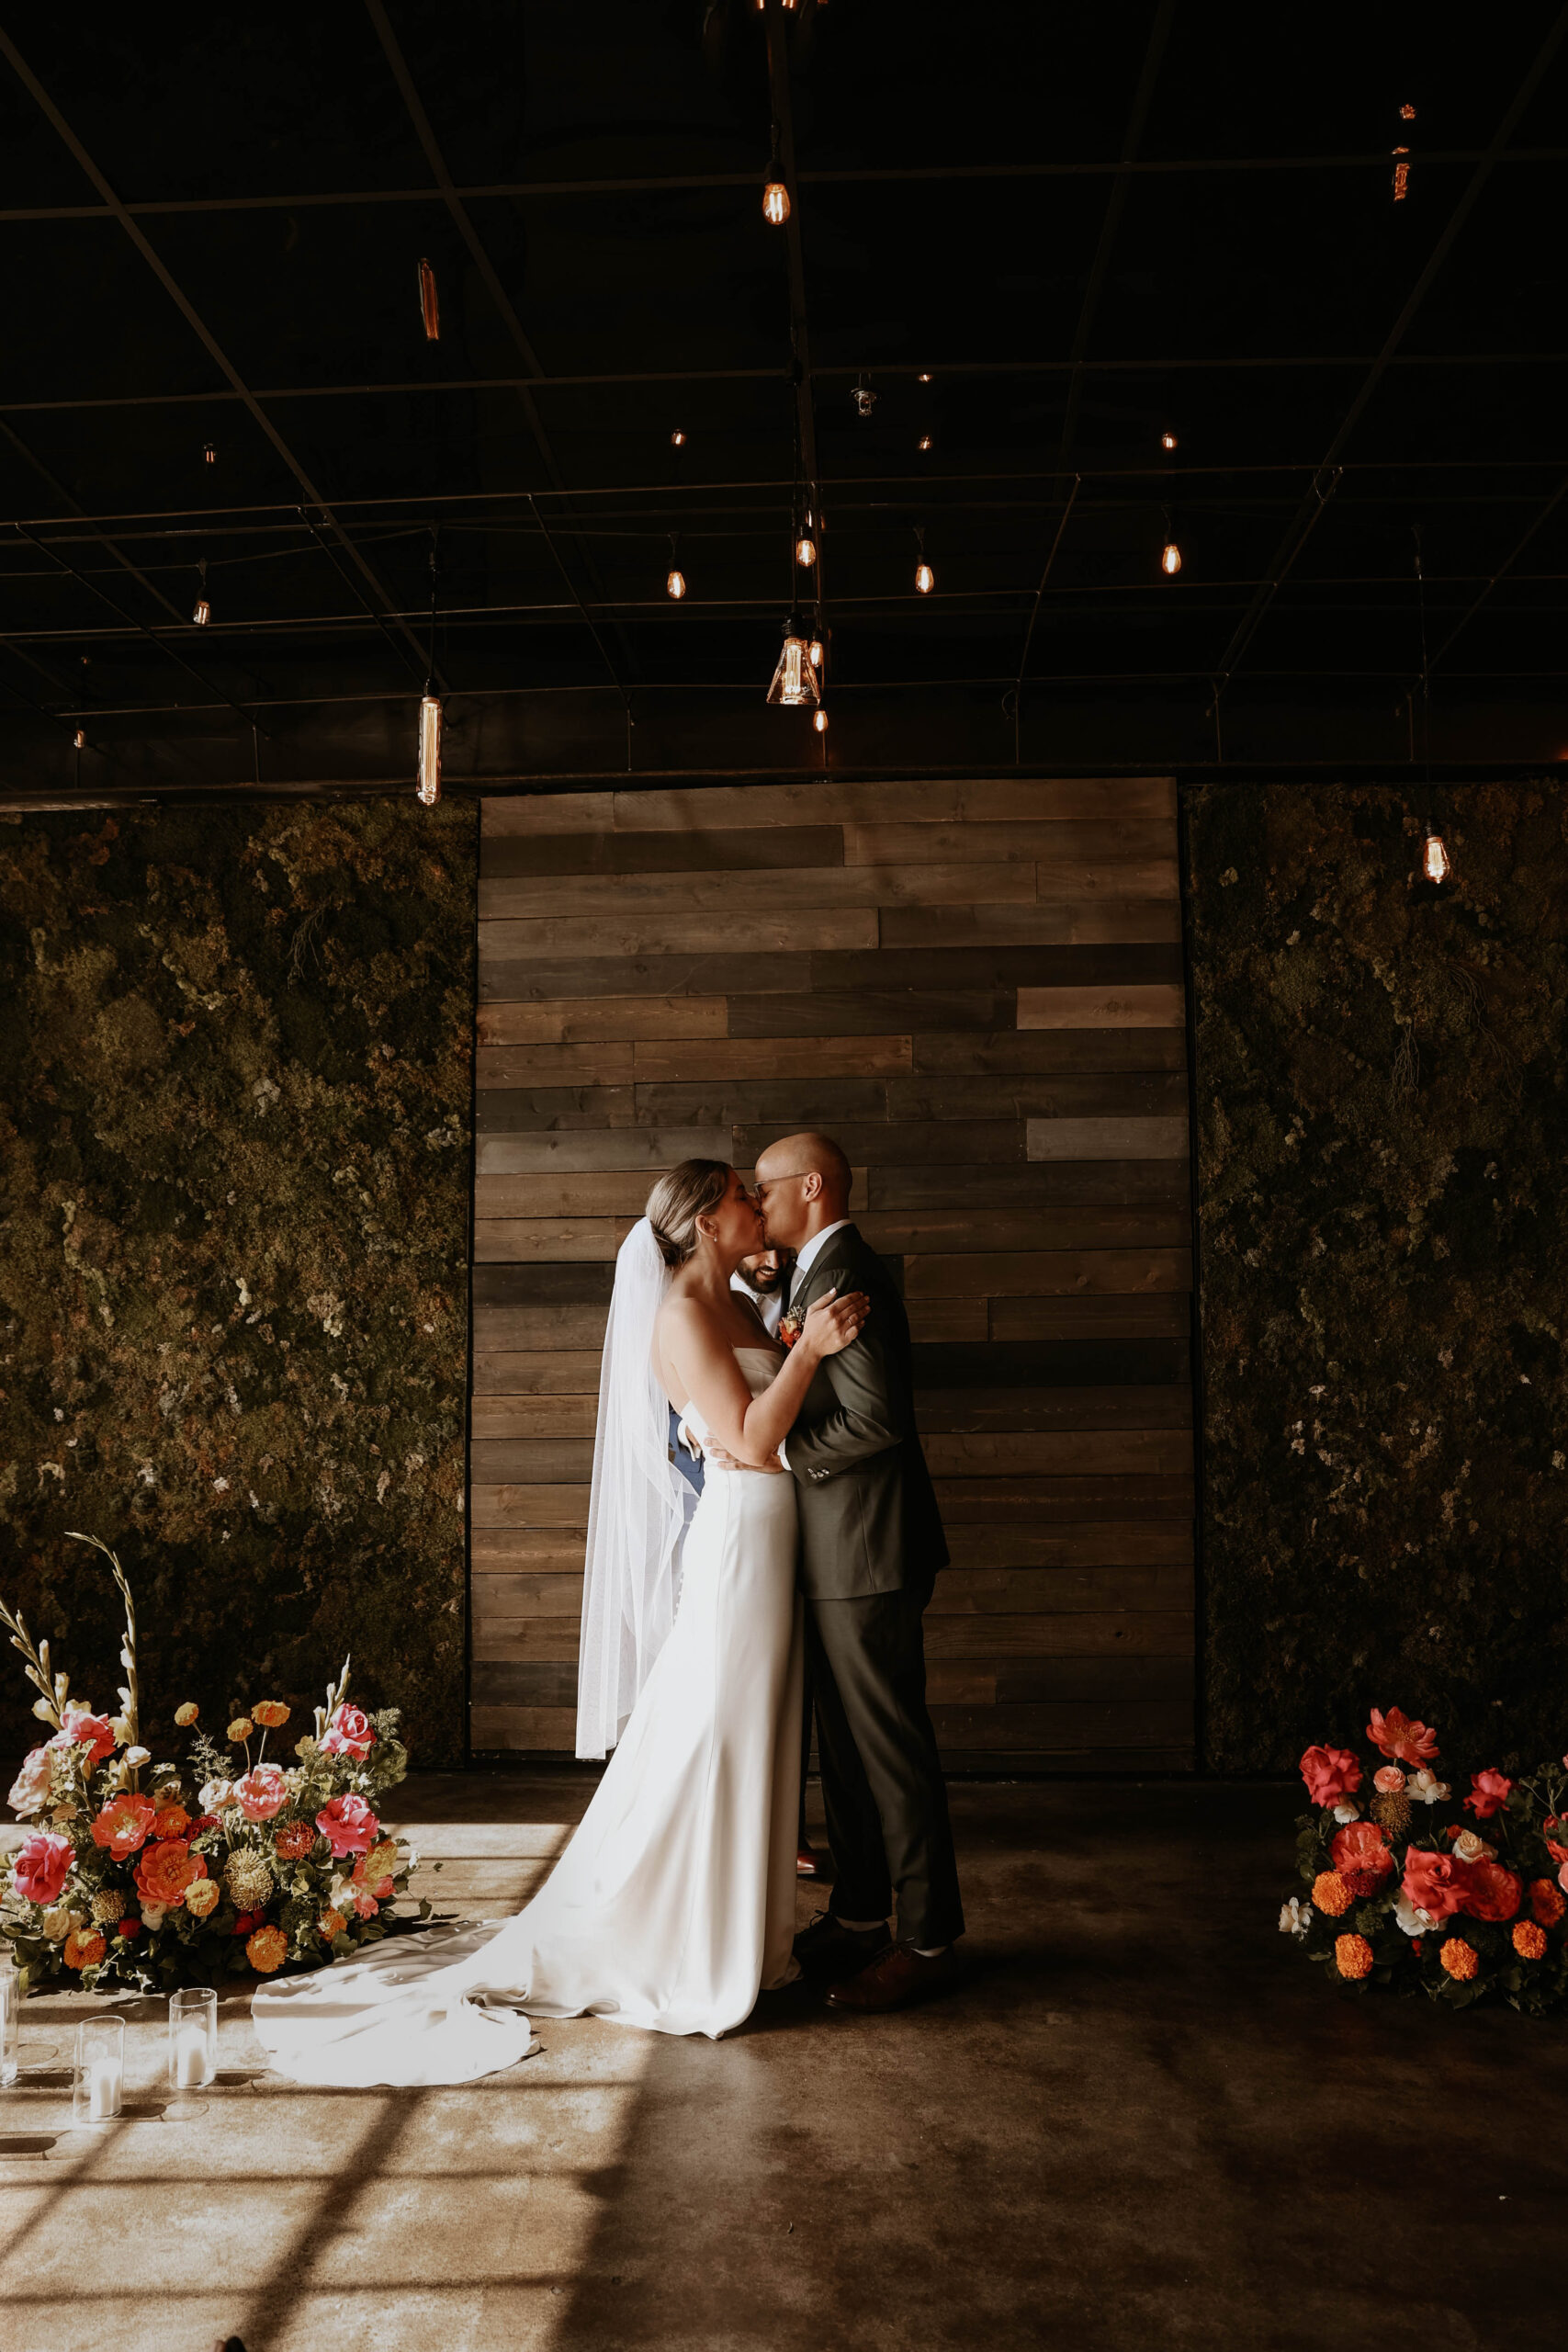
(234, 1137)
(1382, 1134)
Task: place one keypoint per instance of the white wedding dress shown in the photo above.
(675, 1903)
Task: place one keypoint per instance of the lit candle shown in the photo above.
(103, 2090)
(190, 2063)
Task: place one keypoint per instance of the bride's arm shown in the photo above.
(703, 1361)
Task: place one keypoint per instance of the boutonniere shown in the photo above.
(790, 1329)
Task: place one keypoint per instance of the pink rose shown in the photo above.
(348, 1825)
(1488, 1794)
(29, 1789)
(1398, 1738)
(1435, 1883)
(42, 1867)
(1330, 1773)
(350, 1732)
(262, 1792)
(95, 1732)
(1389, 1779)
(124, 1823)
(1491, 1892)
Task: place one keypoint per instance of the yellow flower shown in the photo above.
(185, 1716)
(266, 1949)
(271, 1714)
(203, 1897)
(242, 1727)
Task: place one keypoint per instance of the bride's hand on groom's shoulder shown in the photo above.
(833, 1323)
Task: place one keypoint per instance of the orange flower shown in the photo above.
(1529, 1941)
(1460, 1959)
(242, 1727)
(294, 1840)
(1353, 1956)
(271, 1714)
(172, 1820)
(1400, 1739)
(84, 1947)
(331, 1924)
(166, 1870)
(1331, 1894)
(185, 1716)
(1546, 1902)
(266, 1949)
(1362, 1856)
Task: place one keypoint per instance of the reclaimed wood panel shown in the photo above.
(976, 985)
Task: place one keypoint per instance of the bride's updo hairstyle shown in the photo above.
(676, 1202)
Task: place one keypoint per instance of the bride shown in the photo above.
(675, 1903)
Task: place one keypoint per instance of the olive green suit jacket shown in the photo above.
(868, 1516)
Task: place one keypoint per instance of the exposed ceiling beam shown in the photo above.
(1323, 482)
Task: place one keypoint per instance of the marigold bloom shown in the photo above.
(1401, 1740)
(166, 1870)
(1546, 1904)
(202, 1899)
(185, 1716)
(1331, 1894)
(1529, 1941)
(332, 1924)
(1460, 1959)
(125, 1822)
(1353, 1956)
(271, 1714)
(173, 1819)
(294, 1840)
(242, 1727)
(266, 1949)
(84, 1947)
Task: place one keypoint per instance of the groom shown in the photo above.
(871, 1545)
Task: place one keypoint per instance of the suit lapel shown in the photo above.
(824, 1269)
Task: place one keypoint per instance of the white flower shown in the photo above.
(1296, 1917)
(1426, 1788)
(137, 1757)
(1347, 1812)
(29, 1789)
(121, 1729)
(1469, 1848)
(152, 1916)
(1410, 1915)
(216, 1794)
(57, 1923)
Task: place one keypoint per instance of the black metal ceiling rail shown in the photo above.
(154, 637)
(403, 643)
(31, 458)
(187, 310)
(820, 175)
(592, 626)
(1312, 506)
(1504, 570)
(1230, 364)
(1033, 616)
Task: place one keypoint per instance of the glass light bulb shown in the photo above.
(1435, 864)
(775, 203)
(429, 786)
(81, 739)
(1170, 558)
(675, 584)
(925, 579)
(814, 654)
(820, 722)
(924, 377)
(209, 451)
(1167, 440)
(925, 441)
(805, 553)
(202, 612)
(677, 439)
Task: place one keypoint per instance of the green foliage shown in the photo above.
(1383, 1128)
(234, 1110)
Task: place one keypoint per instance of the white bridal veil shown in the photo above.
(636, 1514)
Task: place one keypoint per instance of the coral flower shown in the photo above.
(1460, 1959)
(94, 1733)
(1330, 1773)
(42, 1866)
(1491, 1892)
(1361, 1857)
(266, 1949)
(172, 1820)
(1353, 1956)
(348, 1825)
(1546, 1904)
(1434, 1883)
(84, 1947)
(293, 1840)
(1529, 1941)
(1331, 1894)
(1401, 1740)
(166, 1869)
(1389, 1779)
(331, 1924)
(271, 1714)
(30, 1789)
(1488, 1794)
(1559, 1853)
(262, 1792)
(124, 1823)
(350, 1732)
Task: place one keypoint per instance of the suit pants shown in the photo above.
(882, 1781)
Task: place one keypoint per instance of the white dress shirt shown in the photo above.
(768, 1303)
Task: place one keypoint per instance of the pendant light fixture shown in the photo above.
(1435, 863)
(201, 612)
(1167, 440)
(805, 548)
(775, 195)
(674, 579)
(819, 721)
(925, 577)
(794, 683)
(209, 452)
(427, 789)
(677, 439)
(814, 654)
(81, 739)
(429, 303)
(1170, 558)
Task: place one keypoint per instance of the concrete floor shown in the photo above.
(1145, 2123)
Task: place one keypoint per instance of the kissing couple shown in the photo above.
(816, 1531)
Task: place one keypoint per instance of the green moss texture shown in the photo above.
(1382, 1151)
(234, 1120)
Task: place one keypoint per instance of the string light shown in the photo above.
(202, 611)
(805, 551)
(925, 378)
(81, 739)
(674, 579)
(819, 721)
(429, 303)
(1170, 558)
(1167, 440)
(428, 788)
(924, 442)
(1435, 862)
(677, 439)
(209, 452)
(814, 654)
(775, 195)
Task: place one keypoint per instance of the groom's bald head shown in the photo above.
(805, 1184)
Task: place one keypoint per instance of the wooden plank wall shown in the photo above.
(977, 988)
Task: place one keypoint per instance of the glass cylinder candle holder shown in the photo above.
(98, 2091)
(193, 2039)
(10, 2024)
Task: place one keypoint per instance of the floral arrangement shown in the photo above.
(212, 1868)
(1406, 1891)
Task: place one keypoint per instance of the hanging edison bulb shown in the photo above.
(428, 788)
(201, 612)
(1167, 440)
(814, 654)
(924, 442)
(795, 680)
(925, 577)
(677, 439)
(1170, 558)
(674, 584)
(81, 739)
(775, 203)
(429, 303)
(1435, 860)
(806, 551)
(819, 721)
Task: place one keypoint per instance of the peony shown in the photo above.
(266, 1949)
(84, 1951)
(124, 1823)
(1389, 1779)
(166, 1870)
(153, 1916)
(1331, 1894)
(1362, 1859)
(201, 1899)
(94, 1733)
(1488, 1794)
(1400, 1739)
(1330, 1773)
(216, 1794)
(30, 1789)
(293, 1840)
(350, 1732)
(185, 1716)
(1434, 1883)
(1528, 1940)
(1460, 1959)
(42, 1866)
(1426, 1788)
(1546, 1904)
(271, 1714)
(262, 1793)
(1491, 1892)
(1353, 1956)
(348, 1825)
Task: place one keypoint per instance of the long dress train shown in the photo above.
(674, 1903)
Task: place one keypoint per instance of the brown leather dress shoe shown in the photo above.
(828, 1949)
(900, 1978)
(805, 1861)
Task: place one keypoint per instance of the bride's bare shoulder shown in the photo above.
(690, 1317)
